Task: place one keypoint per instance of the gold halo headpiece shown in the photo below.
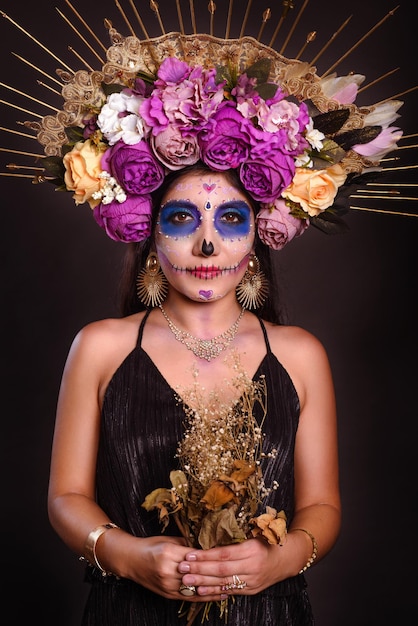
(156, 104)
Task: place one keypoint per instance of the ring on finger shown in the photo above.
(187, 590)
(236, 583)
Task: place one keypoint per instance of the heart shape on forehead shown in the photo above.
(206, 294)
(209, 187)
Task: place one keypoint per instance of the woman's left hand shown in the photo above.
(241, 568)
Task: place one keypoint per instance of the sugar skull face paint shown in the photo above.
(181, 218)
(197, 245)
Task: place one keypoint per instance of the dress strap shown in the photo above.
(266, 339)
(141, 327)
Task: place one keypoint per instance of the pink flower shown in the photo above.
(184, 96)
(173, 150)
(276, 227)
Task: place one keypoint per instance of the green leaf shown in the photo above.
(74, 133)
(112, 88)
(223, 73)
(146, 77)
(259, 70)
(266, 90)
(54, 166)
(330, 153)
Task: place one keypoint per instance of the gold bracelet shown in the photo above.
(90, 546)
(314, 549)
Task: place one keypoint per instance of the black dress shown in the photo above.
(141, 426)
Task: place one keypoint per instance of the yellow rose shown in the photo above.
(315, 190)
(82, 171)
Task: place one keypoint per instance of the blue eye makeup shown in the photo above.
(233, 219)
(179, 218)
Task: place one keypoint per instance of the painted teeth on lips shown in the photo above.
(206, 272)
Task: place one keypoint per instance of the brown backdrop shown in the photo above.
(356, 292)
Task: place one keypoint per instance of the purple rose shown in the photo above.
(127, 221)
(134, 166)
(225, 142)
(276, 227)
(268, 170)
(174, 150)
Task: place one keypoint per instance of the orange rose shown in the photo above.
(82, 171)
(315, 190)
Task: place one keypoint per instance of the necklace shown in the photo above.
(204, 348)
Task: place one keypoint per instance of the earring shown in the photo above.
(253, 288)
(151, 284)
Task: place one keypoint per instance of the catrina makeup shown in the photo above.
(204, 237)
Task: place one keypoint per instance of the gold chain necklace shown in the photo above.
(204, 348)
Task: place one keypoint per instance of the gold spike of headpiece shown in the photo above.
(71, 25)
(245, 20)
(360, 41)
(86, 26)
(139, 19)
(193, 16)
(52, 78)
(266, 17)
(331, 40)
(41, 45)
(228, 20)
(154, 7)
(211, 9)
(287, 5)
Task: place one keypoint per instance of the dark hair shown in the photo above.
(136, 253)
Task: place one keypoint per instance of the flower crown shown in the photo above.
(159, 105)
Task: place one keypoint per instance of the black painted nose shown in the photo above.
(207, 248)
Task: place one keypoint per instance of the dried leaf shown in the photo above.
(217, 495)
(270, 525)
(243, 469)
(156, 498)
(179, 481)
(220, 528)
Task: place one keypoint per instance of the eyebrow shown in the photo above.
(185, 204)
(233, 204)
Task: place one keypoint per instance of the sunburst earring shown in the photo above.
(151, 284)
(252, 291)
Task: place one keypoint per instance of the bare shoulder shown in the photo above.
(294, 340)
(106, 332)
(106, 342)
(302, 354)
(99, 348)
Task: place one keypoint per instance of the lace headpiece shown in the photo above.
(160, 103)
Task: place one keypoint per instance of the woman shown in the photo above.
(119, 421)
